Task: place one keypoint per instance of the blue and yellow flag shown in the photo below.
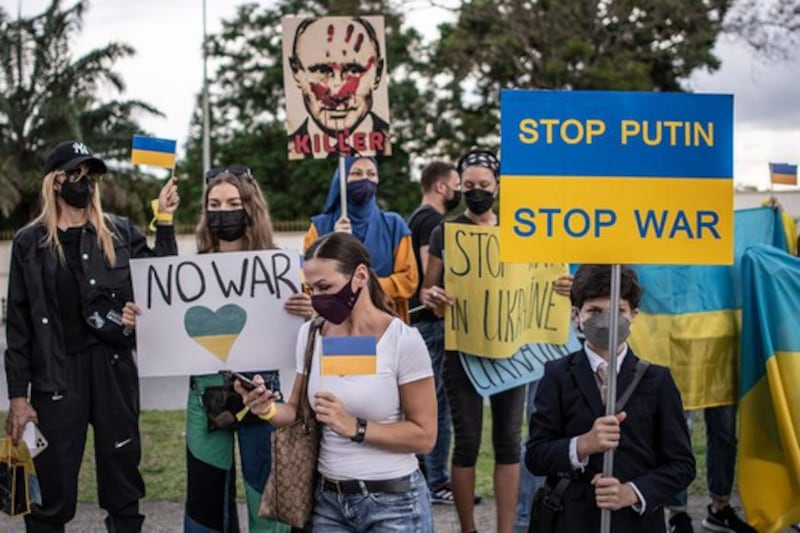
(348, 356)
(783, 173)
(769, 403)
(153, 151)
(689, 316)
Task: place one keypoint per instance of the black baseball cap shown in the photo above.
(68, 155)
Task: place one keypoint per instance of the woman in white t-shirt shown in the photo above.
(373, 424)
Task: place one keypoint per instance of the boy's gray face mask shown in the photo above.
(597, 329)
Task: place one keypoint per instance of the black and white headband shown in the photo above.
(480, 158)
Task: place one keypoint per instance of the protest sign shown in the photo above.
(616, 177)
(211, 312)
(490, 376)
(498, 306)
(336, 83)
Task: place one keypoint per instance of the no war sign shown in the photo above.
(616, 177)
(211, 312)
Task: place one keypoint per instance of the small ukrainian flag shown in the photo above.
(349, 356)
(783, 173)
(153, 151)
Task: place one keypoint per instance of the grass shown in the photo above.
(164, 461)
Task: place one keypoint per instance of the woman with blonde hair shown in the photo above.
(69, 361)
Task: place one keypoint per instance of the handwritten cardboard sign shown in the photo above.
(498, 306)
(211, 312)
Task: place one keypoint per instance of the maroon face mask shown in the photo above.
(335, 308)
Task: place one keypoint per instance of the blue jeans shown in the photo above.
(375, 511)
(528, 483)
(720, 453)
(436, 462)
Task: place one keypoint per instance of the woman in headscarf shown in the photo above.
(384, 233)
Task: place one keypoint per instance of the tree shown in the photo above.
(47, 96)
(549, 44)
(247, 111)
(769, 27)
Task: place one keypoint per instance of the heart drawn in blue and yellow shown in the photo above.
(215, 331)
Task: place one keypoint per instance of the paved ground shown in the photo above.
(166, 517)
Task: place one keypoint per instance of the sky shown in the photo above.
(167, 73)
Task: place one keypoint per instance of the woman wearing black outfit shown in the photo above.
(69, 361)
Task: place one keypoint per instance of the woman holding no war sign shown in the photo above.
(234, 218)
(480, 182)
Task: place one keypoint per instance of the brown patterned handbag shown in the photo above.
(289, 493)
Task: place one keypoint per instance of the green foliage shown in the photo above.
(47, 95)
(610, 44)
(164, 458)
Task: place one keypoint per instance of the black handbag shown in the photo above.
(221, 403)
(102, 310)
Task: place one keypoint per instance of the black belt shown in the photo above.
(358, 486)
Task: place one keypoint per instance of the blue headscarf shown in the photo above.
(380, 231)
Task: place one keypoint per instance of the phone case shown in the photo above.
(34, 439)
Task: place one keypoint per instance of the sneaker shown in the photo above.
(680, 523)
(726, 521)
(444, 495)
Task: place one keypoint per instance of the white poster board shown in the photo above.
(210, 312)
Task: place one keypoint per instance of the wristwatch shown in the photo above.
(361, 430)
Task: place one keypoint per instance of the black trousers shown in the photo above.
(466, 409)
(103, 390)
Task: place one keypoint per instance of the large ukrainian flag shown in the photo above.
(689, 317)
(769, 404)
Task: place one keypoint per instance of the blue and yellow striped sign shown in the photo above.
(769, 401)
(616, 177)
(349, 356)
(153, 151)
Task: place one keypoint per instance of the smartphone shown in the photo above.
(34, 439)
(247, 383)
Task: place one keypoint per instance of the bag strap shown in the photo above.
(543, 520)
(641, 368)
(303, 408)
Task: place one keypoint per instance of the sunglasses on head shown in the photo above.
(238, 172)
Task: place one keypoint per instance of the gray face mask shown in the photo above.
(597, 329)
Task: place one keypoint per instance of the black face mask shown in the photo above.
(335, 308)
(227, 225)
(479, 201)
(77, 194)
(361, 191)
(453, 202)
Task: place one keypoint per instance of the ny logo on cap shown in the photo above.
(80, 148)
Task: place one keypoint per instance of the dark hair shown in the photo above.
(594, 281)
(349, 252)
(433, 173)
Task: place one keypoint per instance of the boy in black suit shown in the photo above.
(569, 432)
